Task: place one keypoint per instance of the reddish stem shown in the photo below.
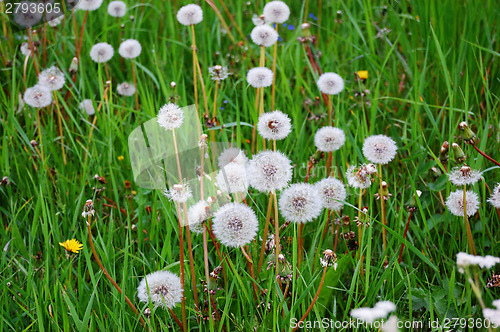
(404, 237)
(486, 156)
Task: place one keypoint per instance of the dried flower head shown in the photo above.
(455, 203)
(126, 89)
(72, 245)
(330, 83)
(232, 155)
(300, 203)
(332, 192)
(495, 196)
(38, 96)
(130, 49)
(197, 214)
(264, 35)
(269, 170)
(87, 106)
(218, 72)
(235, 225)
(276, 12)
(260, 77)
(88, 209)
(369, 315)
(170, 116)
(274, 125)
(117, 8)
(51, 78)
(379, 149)
(465, 260)
(190, 14)
(232, 178)
(179, 193)
(329, 259)
(464, 175)
(89, 5)
(164, 288)
(25, 49)
(101, 52)
(328, 139)
(360, 176)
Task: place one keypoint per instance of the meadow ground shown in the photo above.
(413, 71)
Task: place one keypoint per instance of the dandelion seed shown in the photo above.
(71, 246)
(333, 193)
(232, 155)
(274, 125)
(455, 204)
(235, 225)
(300, 203)
(495, 196)
(190, 14)
(276, 12)
(117, 8)
(179, 193)
(360, 177)
(51, 78)
(197, 214)
(89, 5)
(258, 20)
(330, 83)
(493, 315)
(329, 139)
(369, 315)
(164, 288)
(269, 170)
(464, 175)
(170, 116)
(264, 35)
(232, 178)
(38, 96)
(126, 89)
(260, 77)
(87, 106)
(130, 49)
(379, 149)
(101, 52)
(465, 260)
(218, 72)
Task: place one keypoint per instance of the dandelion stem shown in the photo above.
(360, 231)
(470, 238)
(404, 237)
(176, 319)
(382, 207)
(299, 245)
(82, 30)
(59, 122)
(191, 259)
(486, 156)
(181, 259)
(32, 50)
(195, 77)
(276, 230)
(264, 236)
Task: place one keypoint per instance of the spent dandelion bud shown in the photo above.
(443, 152)
(117, 8)
(25, 49)
(73, 67)
(260, 77)
(276, 12)
(235, 224)
(468, 135)
(163, 288)
(300, 203)
(202, 142)
(333, 193)
(455, 203)
(190, 14)
(269, 170)
(495, 197)
(329, 259)
(464, 175)
(330, 83)
(101, 52)
(130, 49)
(173, 84)
(316, 157)
(379, 149)
(125, 89)
(329, 139)
(264, 35)
(274, 125)
(51, 78)
(170, 116)
(88, 209)
(413, 200)
(458, 153)
(87, 106)
(38, 96)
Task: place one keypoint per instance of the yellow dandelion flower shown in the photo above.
(72, 245)
(363, 74)
(120, 158)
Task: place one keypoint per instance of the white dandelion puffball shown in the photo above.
(264, 35)
(495, 196)
(276, 12)
(269, 170)
(170, 116)
(369, 315)
(359, 177)
(455, 203)
(274, 125)
(328, 139)
(300, 203)
(330, 83)
(25, 49)
(391, 325)
(27, 18)
(332, 192)
(379, 149)
(38, 96)
(197, 214)
(101, 52)
(232, 178)
(89, 4)
(260, 77)
(485, 262)
(190, 14)
(87, 106)
(117, 8)
(54, 19)
(130, 49)
(464, 175)
(126, 89)
(179, 193)
(51, 78)
(232, 155)
(235, 225)
(164, 288)
(493, 315)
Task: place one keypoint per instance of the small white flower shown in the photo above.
(190, 14)
(264, 35)
(369, 315)
(274, 125)
(89, 4)
(328, 139)
(164, 288)
(260, 77)
(465, 260)
(330, 83)
(101, 52)
(493, 315)
(170, 116)
(360, 177)
(332, 192)
(125, 89)
(232, 178)
(235, 225)
(130, 49)
(276, 12)
(87, 106)
(197, 214)
(232, 155)
(495, 196)
(300, 203)
(38, 96)
(117, 8)
(269, 170)
(51, 78)
(464, 175)
(179, 193)
(379, 149)
(455, 204)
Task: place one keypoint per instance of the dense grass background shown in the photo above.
(436, 67)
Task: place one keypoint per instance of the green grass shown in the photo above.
(437, 67)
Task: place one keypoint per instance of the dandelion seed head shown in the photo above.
(190, 14)
(465, 260)
(130, 49)
(101, 52)
(359, 177)
(495, 197)
(274, 125)
(51, 78)
(27, 18)
(379, 149)
(300, 203)
(170, 116)
(87, 106)
(89, 5)
(330, 83)
(332, 192)
(264, 35)
(260, 77)
(235, 224)
(493, 315)
(369, 315)
(197, 214)
(269, 170)
(232, 178)
(164, 288)
(455, 203)
(464, 175)
(328, 139)
(232, 155)
(218, 72)
(38, 96)
(276, 12)
(54, 19)
(126, 89)
(25, 49)
(117, 8)
(178, 193)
